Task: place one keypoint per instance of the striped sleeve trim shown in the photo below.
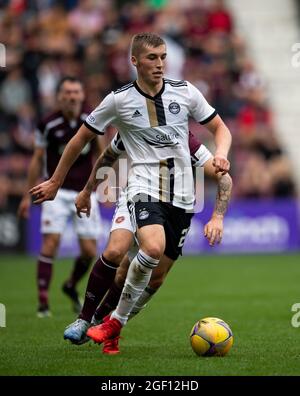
(124, 88)
(93, 129)
(176, 83)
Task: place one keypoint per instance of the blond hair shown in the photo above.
(141, 40)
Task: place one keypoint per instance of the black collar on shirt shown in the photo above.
(149, 96)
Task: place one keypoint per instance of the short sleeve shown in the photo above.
(102, 116)
(200, 109)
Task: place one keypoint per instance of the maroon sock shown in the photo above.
(100, 280)
(44, 273)
(109, 302)
(80, 268)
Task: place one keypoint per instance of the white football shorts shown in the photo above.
(56, 213)
(121, 218)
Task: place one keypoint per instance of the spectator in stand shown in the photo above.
(87, 19)
(14, 91)
(219, 19)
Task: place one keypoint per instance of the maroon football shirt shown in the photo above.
(55, 132)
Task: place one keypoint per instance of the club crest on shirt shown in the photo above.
(174, 108)
(120, 219)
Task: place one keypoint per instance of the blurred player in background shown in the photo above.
(51, 136)
(123, 232)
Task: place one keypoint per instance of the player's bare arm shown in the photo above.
(223, 195)
(99, 147)
(47, 191)
(213, 230)
(83, 199)
(34, 172)
(223, 140)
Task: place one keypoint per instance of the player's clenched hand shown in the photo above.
(83, 203)
(213, 230)
(23, 209)
(44, 192)
(221, 163)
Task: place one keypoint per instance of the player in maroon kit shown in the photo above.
(51, 136)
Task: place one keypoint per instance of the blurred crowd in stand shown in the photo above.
(46, 39)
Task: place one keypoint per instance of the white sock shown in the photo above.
(138, 277)
(142, 301)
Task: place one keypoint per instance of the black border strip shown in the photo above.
(149, 96)
(93, 129)
(160, 111)
(209, 118)
(171, 168)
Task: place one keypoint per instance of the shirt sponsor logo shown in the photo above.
(166, 140)
(91, 119)
(174, 108)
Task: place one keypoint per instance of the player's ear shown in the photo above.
(133, 60)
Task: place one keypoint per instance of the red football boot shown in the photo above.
(105, 331)
(111, 347)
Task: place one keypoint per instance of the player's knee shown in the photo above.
(152, 250)
(114, 254)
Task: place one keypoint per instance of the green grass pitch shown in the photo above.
(254, 294)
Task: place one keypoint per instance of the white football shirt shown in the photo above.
(155, 134)
(199, 154)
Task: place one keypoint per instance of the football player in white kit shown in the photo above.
(151, 115)
(121, 227)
